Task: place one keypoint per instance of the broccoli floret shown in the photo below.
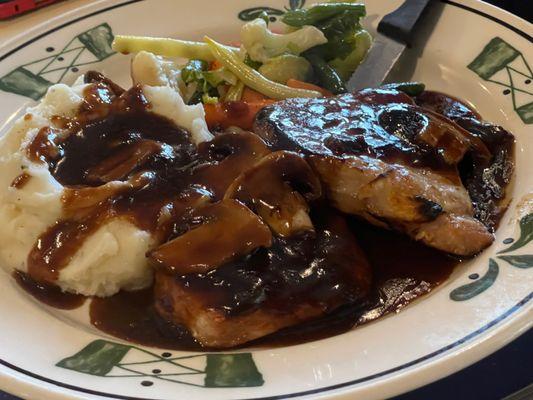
(347, 65)
(335, 61)
(202, 84)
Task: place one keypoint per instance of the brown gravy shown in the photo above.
(119, 160)
(114, 138)
(403, 271)
(132, 316)
(50, 295)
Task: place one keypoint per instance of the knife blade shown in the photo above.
(378, 63)
(396, 32)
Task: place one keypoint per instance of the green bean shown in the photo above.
(362, 41)
(253, 79)
(320, 12)
(409, 88)
(251, 63)
(329, 78)
(164, 47)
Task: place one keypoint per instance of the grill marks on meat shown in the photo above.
(396, 197)
(397, 164)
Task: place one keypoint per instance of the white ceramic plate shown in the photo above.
(51, 354)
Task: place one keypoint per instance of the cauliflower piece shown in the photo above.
(261, 44)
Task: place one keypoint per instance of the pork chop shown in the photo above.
(294, 280)
(397, 164)
(255, 260)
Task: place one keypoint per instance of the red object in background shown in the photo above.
(10, 8)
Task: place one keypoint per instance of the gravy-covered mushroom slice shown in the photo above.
(487, 173)
(224, 231)
(126, 159)
(278, 188)
(225, 157)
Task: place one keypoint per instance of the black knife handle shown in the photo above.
(400, 24)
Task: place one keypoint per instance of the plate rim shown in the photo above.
(504, 326)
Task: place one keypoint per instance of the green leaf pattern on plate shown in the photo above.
(522, 261)
(470, 290)
(35, 77)
(98, 358)
(106, 359)
(526, 234)
(525, 261)
(232, 370)
(502, 64)
(252, 13)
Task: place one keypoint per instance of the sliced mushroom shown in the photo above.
(125, 160)
(278, 188)
(227, 230)
(451, 140)
(172, 213)
(79, 201)
(429, 128)
(226, 156)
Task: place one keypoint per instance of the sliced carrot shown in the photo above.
(233, 113)
(296, 84)
(215, 65)
(252, 96)
(214, 114)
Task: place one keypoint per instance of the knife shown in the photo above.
(396, 32)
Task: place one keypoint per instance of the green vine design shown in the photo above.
(526, 234)
(522, 261)
(255, 12)
(471, 290)
(34, 78)
(105, 359)
(503, 65)
(525, 261)
(499, 56)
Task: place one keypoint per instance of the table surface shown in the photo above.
(503, 373)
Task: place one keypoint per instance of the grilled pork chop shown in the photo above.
(400, 165)
(294, 280)
(255, 260)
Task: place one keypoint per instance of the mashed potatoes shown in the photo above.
(112, 258)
